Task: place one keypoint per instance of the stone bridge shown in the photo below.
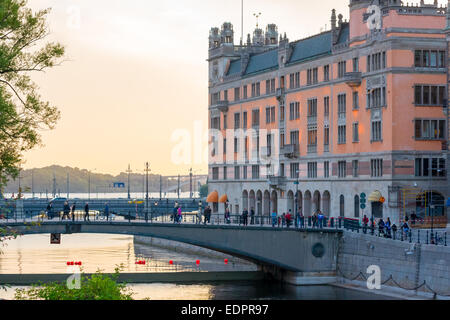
(295, 256)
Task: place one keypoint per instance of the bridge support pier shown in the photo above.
(300, 278)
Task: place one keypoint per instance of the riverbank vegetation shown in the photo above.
(98, 286)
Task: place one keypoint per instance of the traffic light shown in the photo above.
(363, 200)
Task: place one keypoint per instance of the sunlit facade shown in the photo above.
(313, 124)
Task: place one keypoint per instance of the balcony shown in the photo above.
(220, 105)
(353, 79)
(280, 93)
(290, 151)
(312, 120)
(312, 148)
(277, 182)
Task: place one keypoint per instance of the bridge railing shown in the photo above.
(433, 236)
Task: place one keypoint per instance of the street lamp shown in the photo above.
(296, 197)
(200, 207)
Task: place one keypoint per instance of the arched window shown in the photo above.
(342, 206)
(357, 203)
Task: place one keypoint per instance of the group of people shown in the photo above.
(386, 228)
(177, 216)
(69, 212)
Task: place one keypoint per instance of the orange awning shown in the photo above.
(213, 197)
(223, 198)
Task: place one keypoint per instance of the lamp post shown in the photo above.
(296, 198)
(200, 207)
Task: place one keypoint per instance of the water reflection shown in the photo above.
(34, 254)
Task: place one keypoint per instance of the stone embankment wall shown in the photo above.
(410, 265)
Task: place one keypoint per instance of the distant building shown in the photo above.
(356, 109)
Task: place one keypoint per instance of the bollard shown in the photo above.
(402, 236)
(418, 236)
(309, 221)
(427, 236)
(410, 236)
(340, 223)
(129, 217)
(436, 238)
(332, 222)
(445, 239)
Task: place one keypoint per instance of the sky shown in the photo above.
(135, 77)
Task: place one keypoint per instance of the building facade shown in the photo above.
(354, 112)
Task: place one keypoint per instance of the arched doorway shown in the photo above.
(316, 202)
(274, 202)
(245, 200)
(259, 204)
(290, 202)
(307, 204)
(326, 201)
(300, 202)
(266, 203)
(342, 206)
(252, 201)
(357, 206)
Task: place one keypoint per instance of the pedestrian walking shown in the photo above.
(49, 211)
(252, 216)
(179, 215)
(320, 218)
(175, 214)
(245, 217)
(66, 211)
(86, 212)
(74, 206)
(107, 211)
(227, 216)
(289, 219)
(274, 219)
(207, 214)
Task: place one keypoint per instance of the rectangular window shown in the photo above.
(356, 132)
(236, 145)
(326, 169)
(355, 101)
(245, 120)
(355, 64)
(326, 136)
(429, 95)
(255, 172)
(237, 120)
(291, 81)
(342, 169)
(225, 171)
(258, 89)
(215, 173)
(377, 131)
(244, 173)
(272, 114)
(294, 111)
(342, 67)
(312, 170)
(376, 168)
(326, 106)
(297, 79)
(355, 168)
(326, 73)
(425, 129)
(282, 113)
(294, 170)
(342, 134)
(245, 92)
(418, 168)
(255, 118)
(268, 117)
(225, 125)
(342, 105)
(237, 173)
(237, 94)
(429, 58)
(295, 138)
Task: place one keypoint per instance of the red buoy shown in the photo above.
(171, 262)
(226, 261)
(198, 262)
